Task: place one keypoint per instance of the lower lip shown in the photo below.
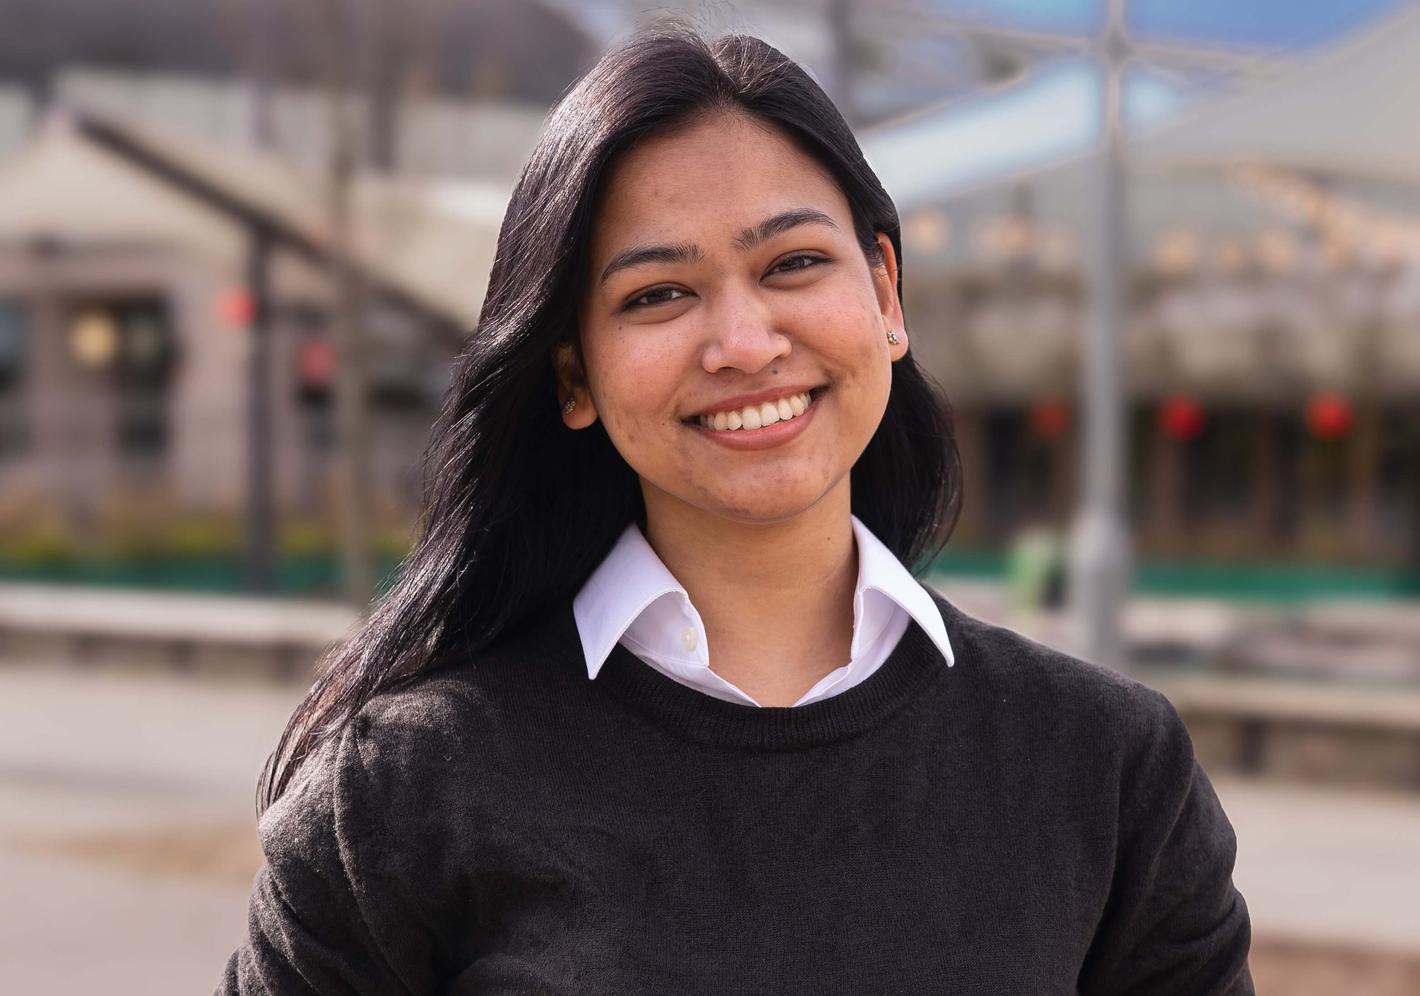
(762, 438)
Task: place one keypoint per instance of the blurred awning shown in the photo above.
(95, 178)
(1347, 109)
(61, 189)
(1046, 120)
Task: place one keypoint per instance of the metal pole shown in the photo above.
(351, 395)
(261, 514)
(840, 89)
(1100, 568)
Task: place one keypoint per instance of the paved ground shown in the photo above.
(127, 845)
(127, 839)
(1334, 865)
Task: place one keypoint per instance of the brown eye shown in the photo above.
(652, 297)
(802, 261)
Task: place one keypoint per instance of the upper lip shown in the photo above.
(742, 400)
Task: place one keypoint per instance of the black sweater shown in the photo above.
(1021, 823)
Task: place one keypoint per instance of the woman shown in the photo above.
(657, 705)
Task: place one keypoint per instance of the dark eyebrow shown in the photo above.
(780, 223)
(680, 252)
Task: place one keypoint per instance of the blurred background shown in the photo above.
(1164, 257)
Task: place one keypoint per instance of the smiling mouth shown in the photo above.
(738, 423)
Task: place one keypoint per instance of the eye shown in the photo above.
(799, 261)
(653, 297)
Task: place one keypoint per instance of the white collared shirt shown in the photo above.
(632, 598)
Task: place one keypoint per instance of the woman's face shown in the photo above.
(723, 264)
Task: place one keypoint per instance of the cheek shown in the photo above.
(864, 373)
(633, 382)
(842, 308)
(846, 329)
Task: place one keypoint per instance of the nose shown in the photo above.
(743, 334)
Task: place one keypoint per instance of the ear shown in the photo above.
(889, 306)
(571, 385)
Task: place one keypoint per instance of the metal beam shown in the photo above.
(246, 211)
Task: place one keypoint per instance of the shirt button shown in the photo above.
(688, 638)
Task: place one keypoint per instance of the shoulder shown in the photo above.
(434, 745)
(1057, 692)
(467, 724)
(365, 773)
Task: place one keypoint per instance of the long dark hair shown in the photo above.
(518, 510)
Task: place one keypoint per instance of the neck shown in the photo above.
(776, 597)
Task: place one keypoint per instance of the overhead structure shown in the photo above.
(1365, 89)
(1041, 131)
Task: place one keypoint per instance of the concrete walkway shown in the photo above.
(171, 615)
(127, 836)
(1333, 865)
(127, 828)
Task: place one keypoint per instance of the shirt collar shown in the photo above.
(630, 580)
(880, 571)
(633, 586)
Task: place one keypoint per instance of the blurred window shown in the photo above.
(313, 359)
(1399, 483)
(313, 363)
(142, 371)
(1019, 473)
(1218, 468)
(319, 428)
(1289, 437)
(127, 343)
(402, 362)
(13, 344)
(1140, 496)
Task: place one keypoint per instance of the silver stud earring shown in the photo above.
(892, 337)
(571, 403)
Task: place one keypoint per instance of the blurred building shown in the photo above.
(144, 146)
(125, 322)
(1273, 333)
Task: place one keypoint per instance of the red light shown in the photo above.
(316, 362)
(1181, 417)
(235, 308)
(1050, 418)
(1329, 415)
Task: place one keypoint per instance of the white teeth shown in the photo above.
(755, 416)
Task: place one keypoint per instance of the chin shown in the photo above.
(767, 508)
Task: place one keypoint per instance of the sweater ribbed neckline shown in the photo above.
(909, 670)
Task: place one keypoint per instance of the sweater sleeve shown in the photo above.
(325, 916)
(1174, 923)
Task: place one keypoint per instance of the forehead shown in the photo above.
(717, 174)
